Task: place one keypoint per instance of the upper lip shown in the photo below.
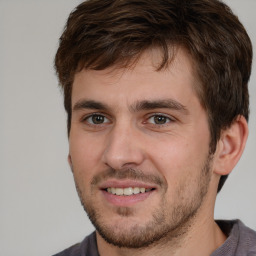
(125, 184)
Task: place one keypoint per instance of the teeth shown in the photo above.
(119, 191)
(127, 191)
(136, 191)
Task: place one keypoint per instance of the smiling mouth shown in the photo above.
(128, 191)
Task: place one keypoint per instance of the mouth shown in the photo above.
(128, 191)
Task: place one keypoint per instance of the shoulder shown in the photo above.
(241, 240)
(74, 250)
(88, 247)
(247, 238)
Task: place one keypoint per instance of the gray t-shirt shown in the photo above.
(241, 241)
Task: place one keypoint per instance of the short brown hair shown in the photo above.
(103, 33)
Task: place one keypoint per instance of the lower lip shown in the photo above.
(126, 200)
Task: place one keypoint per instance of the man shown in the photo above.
(157, 102)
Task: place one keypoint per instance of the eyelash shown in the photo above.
(168, 119)
(86, 118)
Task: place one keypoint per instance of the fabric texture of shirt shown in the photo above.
(241, 241)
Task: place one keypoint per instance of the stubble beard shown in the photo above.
(164, 226)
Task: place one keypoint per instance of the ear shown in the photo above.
(70, 162)
(230, 146)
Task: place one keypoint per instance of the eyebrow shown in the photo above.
(89, 104)
(136, 107)
(154, 104)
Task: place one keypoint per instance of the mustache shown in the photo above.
(128, 173)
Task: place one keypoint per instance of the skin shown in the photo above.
(117, 140)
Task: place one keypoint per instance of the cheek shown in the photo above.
(179, 160)
(85, 154)
(84, 150)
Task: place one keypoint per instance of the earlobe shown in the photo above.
(231, 146)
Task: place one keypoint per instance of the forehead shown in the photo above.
(141, 80)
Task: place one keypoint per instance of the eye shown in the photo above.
(96, 119)
(159, 119)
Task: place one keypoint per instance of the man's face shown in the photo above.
(139, 149)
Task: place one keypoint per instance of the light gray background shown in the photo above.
(40, 213)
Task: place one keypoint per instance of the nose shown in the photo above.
(123, 148)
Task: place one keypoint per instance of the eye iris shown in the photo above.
(160, 119)
(98, 119)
